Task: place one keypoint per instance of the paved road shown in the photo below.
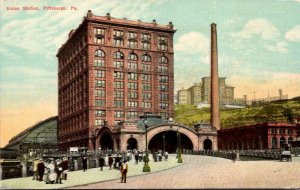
(211, 172)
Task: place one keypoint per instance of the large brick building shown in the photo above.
(111, 70)
(268, 135)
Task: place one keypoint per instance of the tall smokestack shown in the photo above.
(214, 95)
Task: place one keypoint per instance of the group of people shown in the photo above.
(158, 155)
(51, 170)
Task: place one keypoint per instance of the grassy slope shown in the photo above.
(276, 111)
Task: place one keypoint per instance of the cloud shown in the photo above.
(194, 43)
(260, 27)
(264, 82)
(280, 47)
(293, 35)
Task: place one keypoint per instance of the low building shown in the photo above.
(268, 135)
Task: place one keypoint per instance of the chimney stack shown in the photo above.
(215, 112)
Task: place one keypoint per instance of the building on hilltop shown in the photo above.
(112, 70)
(199, 93)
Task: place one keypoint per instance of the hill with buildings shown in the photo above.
(279, 111)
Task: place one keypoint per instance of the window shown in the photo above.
(119, 114)
(146, 58)
(132, 114)
(99, 122)
(290, 131)
(118, 84)
(99, 53)
(274, 142)
(132, 95)
(146, 86)
(118, 64)
(100, 74)
(133, 85)
(119, 103)
(132, 39)
(163, 105)
(162, 68)
(163, 88)
(281, 131)
(146, 77)
(99, 63)
(163, 97)
(100, 103)
(100, 93)
(132, 104)
(99, 113)
(100, 83)
(132, 65)
(146, 104)
(118, 94)
(146, 67)
(99, 35)
(132, 76)
(146, 95)
(163, 60)
(282, 142)
(118, 55)
(118, 38)
(118, 75)
(162, 43)
(163, 78)
(164, 115)
(145, 41)
(132, 56)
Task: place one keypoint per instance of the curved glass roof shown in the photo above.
(42, 133)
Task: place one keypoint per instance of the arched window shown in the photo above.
(146, 58)
(282, 142)
(99, 53)
(290, 139)
(274, 142)
(132, 56)
(118, 55)
(163, 60)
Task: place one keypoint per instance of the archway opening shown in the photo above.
(167, 141)
(106, 141)
(131, 143)
(282, 142)
(274, 142)
(207, 144)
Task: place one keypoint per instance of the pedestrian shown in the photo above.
(101, 162)
(124, 170)
(35, 169)
(166, 154)
(136, 157)
(110, 161)
(84, 163)
(159, 156)
(58, 170)
(41, 169)
(51, 175)
(65, 167)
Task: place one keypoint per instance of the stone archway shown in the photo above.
(131, 143)
(207, 144)
(105, 139)
(187, 134)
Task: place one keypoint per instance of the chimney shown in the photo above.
(215, 112)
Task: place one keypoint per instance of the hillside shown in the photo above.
(280, 111)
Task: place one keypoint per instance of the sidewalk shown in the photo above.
(93, 175)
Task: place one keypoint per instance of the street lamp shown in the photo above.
(164, 138)
(146, 167)
(179, 147)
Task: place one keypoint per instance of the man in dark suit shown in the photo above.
(41, 169)
(101, 162)
(124, 170)
(84, 163)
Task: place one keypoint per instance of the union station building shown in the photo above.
(111, 74)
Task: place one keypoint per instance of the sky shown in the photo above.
(258, 47)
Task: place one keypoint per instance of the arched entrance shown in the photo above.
(274, 142)
(167, 140)
(131, 143)
(282, 142)
(106, 141)
(207, 144)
